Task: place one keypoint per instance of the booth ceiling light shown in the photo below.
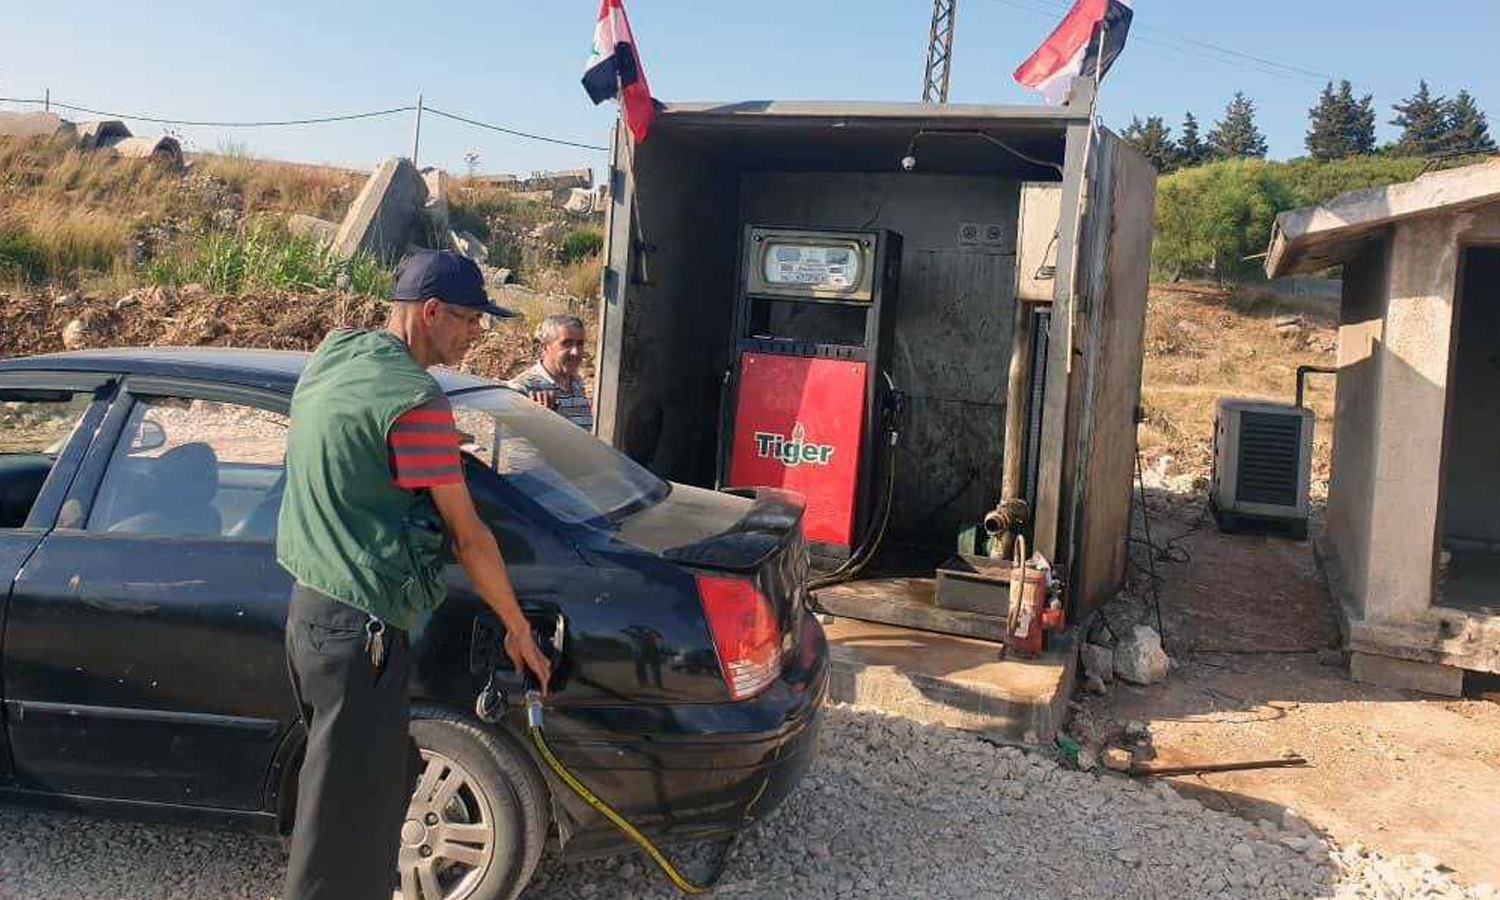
(909, 161)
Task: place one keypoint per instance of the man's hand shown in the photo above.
(474, 545)
(545, 397)
(527, 656)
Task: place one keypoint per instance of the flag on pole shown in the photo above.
(614, 70)
(1075, 47)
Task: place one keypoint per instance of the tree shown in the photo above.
(1190, 147)
(1154, 140)
(1423, 120)
(1236, 135)
(1468, 129)
(1340, 126)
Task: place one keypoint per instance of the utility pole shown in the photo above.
(47, 100)
(939, 52)
(416, 138)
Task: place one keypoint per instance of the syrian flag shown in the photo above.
(1074, 48)
(614, 70)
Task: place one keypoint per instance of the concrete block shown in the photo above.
(312, 226)
(162, 149)
(579, 200)
(959, 682)
(384, 218)
(100, 134)
(436, 207)
(35, 124)
(1388, 671)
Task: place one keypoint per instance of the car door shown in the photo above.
(46, 423)
(144, 652)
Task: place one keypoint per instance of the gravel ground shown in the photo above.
(892, 809)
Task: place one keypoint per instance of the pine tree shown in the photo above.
(1340, 126)
(1190, 147)
(1362, 124)
(1154, 140)
(1468, 128)
(1236, 134)
(1423, 120)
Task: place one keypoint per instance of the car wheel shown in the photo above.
(478, 817)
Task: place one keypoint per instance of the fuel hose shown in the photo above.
(539, 740)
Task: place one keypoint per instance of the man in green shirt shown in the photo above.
(374, 485)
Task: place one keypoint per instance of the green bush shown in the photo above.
(266, 257)
(582, 243)
(20, 257)
(1210, 218)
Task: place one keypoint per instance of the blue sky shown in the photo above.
(517, 63)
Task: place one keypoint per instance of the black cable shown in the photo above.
(1140, 478)
(165, 121)
(511, 131)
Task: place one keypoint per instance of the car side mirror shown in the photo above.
(150, 437)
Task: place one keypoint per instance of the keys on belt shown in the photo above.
(375, 641)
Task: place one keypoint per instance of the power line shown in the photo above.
(1259, 63)
(319, 120)
(159, 120)
(511, 131)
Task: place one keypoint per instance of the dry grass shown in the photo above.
(1203, 343)
(270, 186)
(581, 276)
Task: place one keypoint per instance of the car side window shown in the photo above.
(193, 467)
(34, 428)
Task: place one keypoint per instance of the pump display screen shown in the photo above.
(829, 267)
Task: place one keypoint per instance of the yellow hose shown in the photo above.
(534, 723)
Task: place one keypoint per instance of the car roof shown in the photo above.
(275, 369)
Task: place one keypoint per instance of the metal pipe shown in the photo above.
(1304, 371)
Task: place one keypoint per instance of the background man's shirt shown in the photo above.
(572, 401)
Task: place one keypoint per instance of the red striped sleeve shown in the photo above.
(423, 444)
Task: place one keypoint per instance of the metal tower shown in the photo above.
(939, 52)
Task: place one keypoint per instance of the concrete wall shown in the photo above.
(1413, 353)
(953, 324)
(1472, 482)
(1361, 330)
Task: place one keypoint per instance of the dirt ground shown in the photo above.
(1245, 617)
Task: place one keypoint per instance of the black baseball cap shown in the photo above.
(448, 276)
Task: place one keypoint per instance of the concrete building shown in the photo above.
(1413, 534)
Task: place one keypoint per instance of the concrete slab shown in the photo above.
(1387, 671)
(384, 217)
(35, 124)
(954, 681)
(312, 226)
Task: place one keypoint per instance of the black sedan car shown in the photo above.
(141, 662)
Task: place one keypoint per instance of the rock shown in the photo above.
(579, 200)
(436, 206)
(1098, 661)
(470, 246)
(1331, 657)
(1242, 853)
(1128, 856)
(1117, 759)
(1087, 759)
(1290, 821)
(66, 300)
(74, 335)
(126, 302)
(1135, 729)
(1139, 658)
(311, 226)
(226, 218)
(1095, 685)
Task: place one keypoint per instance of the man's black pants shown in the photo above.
(360, 766)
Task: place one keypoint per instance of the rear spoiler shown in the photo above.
(772, 520)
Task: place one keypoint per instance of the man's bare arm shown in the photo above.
(474, 545)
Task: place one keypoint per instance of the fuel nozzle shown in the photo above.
(533, 709)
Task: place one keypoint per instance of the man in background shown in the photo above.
(553, 381)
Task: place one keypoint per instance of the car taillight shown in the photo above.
(744, 631)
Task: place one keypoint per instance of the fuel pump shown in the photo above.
(810, 405)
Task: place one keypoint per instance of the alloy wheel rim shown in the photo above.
(448, 837)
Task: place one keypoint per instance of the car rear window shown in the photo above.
(569, 472)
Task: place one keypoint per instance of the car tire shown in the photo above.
(479, 814)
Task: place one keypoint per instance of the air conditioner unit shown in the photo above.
(1262, 464)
